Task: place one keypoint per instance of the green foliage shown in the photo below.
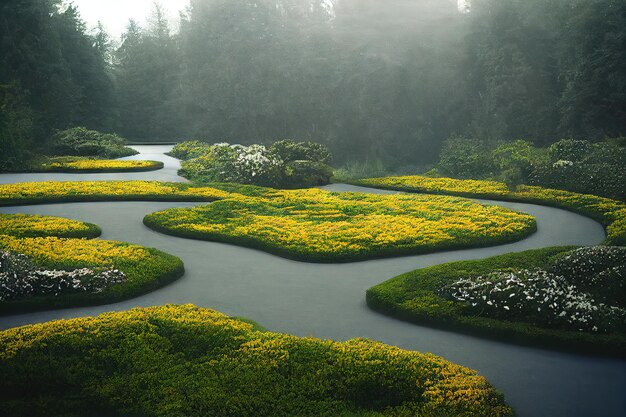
(573, 165)
(300, 173)
(569, 150)
(284, 164)
(188, 361)
(15, 127)
(46, 50)
(466, 158)
(600, 271)
(415, 297)
(353, 170)
(581, 166)
(80, 141)
(290, 151)
(190, 149)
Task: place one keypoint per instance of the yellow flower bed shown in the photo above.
(611, 213)
(319, 225)
(35, 192)
(28, 225)
(102, 165)
(310, 224)
(176, 360)
(57, 243)
(77, 252)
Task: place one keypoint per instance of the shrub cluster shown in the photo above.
(573, 165)
(284, 164)
(80, 141)
(20, 278)
(188, 361)
(538, 297)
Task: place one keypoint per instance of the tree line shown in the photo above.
(371, 79)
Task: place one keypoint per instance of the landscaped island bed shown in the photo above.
(184, 360)
(417, 297)
(611, 213)
(54, 243)
(32, 225)
(101, 165)
(309, 225)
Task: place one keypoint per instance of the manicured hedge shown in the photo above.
(188, 361)
(610, 213)
(414, 297)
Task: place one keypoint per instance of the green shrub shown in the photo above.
(306, 173)
(599, 270)
(256, 164)
(593, 169)
(569, 150)
(467, 158)
(190, 149)
(80, 141)
(289, 151)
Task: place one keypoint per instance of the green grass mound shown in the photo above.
(188, 361)
(30, 225)
(610, 213)
(416, 297)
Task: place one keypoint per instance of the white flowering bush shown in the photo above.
(256, 164)
(583, 290)
(600, 270)
(19, 278)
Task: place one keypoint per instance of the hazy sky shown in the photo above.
(114, 14)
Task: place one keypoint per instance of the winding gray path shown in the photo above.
(328, 301)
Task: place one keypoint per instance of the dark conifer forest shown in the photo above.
(372, 80)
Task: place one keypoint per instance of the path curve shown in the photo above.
(328, 300)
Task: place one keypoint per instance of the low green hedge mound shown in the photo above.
(188, 361)
(415, 297)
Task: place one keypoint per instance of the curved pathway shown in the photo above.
(328, 300)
